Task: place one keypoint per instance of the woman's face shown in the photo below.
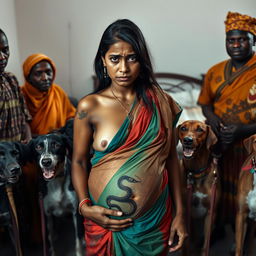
(41, 76)
(121, 63)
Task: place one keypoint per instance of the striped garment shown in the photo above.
(13, 110)
(138, 183)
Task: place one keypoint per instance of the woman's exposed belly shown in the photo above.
(131, 194)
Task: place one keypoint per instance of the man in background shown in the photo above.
(14, 114)
(228, 100)
(14, 118)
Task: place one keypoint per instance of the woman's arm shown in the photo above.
(178, 226)
(81, 150)
(83, 135)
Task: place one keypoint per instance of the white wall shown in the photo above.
(8, 25)
(184, 36)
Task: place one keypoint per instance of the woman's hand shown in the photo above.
(100, 215)
(178, 227)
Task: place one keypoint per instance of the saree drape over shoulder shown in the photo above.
(235, 103)
(138, 181)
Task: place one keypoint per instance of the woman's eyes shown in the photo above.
(132, 58)
(116, 59)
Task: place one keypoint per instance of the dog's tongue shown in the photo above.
(188, 152)
(48, 174)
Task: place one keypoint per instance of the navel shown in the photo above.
(104, 143)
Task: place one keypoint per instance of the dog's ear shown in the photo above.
(211, 138)
(248, 144)
(25, 153)
(176, 133)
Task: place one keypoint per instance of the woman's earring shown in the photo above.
(105, 72)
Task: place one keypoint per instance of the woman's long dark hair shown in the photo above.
(129, 32)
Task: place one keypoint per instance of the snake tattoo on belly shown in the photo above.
(124, 199)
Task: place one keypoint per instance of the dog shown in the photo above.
(246, 199)
(201, 173)
(12, 156)
(59, 198)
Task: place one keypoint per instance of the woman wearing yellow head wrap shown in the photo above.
(47, 102)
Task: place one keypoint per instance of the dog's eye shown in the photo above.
(15, 153)
(2, 153)
(38, 147)
(199, 129)
(56, 145)
(183, 128)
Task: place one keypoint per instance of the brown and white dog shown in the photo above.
(201, 172)
(246, 198)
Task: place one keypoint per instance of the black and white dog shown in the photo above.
(59, 198)
(12, 155)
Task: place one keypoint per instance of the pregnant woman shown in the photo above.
(128, 122)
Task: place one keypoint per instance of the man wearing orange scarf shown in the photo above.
(228, 100)
(47, 102)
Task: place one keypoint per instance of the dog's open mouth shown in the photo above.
(48, 173)
(188, 152)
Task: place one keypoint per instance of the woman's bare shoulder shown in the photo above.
(88, 102)
(92, 101)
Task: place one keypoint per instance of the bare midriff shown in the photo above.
(144, 192)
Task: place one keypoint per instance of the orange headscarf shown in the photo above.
(51, 109)
(239, 21)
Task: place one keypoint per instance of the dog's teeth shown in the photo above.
(188, 152)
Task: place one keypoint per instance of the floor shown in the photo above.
(64, 248)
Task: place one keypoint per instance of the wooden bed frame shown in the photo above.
(172, 82)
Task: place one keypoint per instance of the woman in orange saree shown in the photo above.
(129, 123)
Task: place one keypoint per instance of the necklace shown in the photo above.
(122, 105)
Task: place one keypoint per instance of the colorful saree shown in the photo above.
(138, 182)
(236, 104)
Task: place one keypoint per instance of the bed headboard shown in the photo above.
(184, 90)
(172, 82)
